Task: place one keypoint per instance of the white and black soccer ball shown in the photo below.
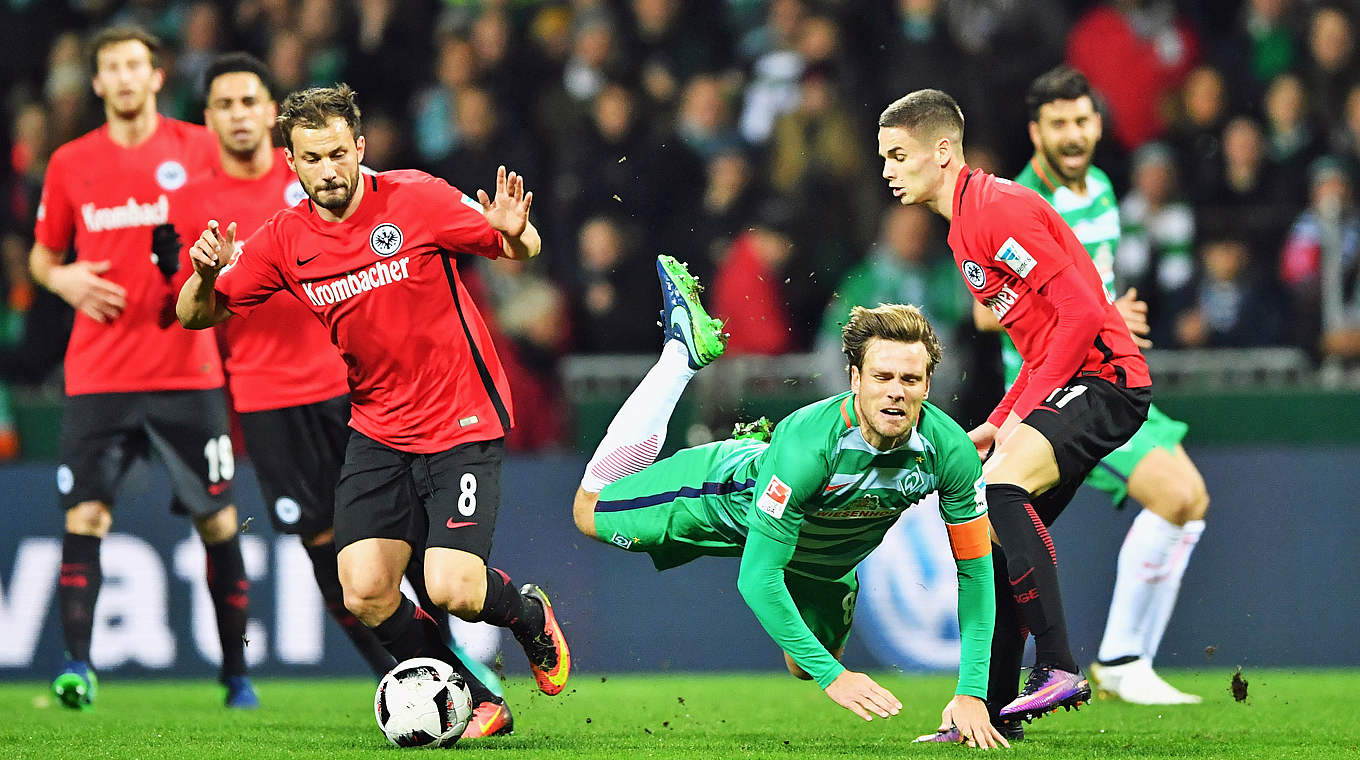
(422, 702)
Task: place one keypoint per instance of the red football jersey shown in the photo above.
(1009, 243)
(282, 355)
(423, 374)
(105, 199)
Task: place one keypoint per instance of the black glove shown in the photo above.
(165, 245)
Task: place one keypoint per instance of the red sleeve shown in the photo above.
(56, 223)
(461, 227)
(1022, 240)
(1080, 316)
(253, 276)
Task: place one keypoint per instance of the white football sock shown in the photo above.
(1141, 573)
(635, 435)
(1164, 597)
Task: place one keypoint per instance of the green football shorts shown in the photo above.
(1111, 474)
(681, 508)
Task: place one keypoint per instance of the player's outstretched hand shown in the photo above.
(508, 212)
(982, 437)
(969, 716)
(213, 250)
(859, 694)
(1135, 314)
(79, 284)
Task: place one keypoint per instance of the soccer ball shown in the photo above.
(422, 702)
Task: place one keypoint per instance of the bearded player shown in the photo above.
(1152, 467)
(371, 256)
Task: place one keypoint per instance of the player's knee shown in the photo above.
(1183, 500)
(370, 602)
(89, 518)
(461, 592)
(217, 527)
(794, 670)
(583, 511)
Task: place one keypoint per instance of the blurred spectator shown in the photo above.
(1135, 53)
(1232, 308)
(1196, 133)
(1156, 251)
(1291, 140)
(910, 263)
(1329, 69)
(665, 49)
(67, 89)
(731, 197)
(287, 59)
(750, 292)
(775, 65)
(920, 52)
(533, 317)
(200, 43)
(611, 306)
(1320, 265)
(1265, 40)
(486, 143)
(379, 49)
(594, 59)
(385, 142)
(617, 163)
(1345, 138)
(1245, 194)
(704, 121)
(817, 160)
(435, 107)
(319, 23)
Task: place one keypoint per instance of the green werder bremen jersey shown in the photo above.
(1094, 217)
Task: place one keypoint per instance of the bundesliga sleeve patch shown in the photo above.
(472, 203)
(1014, 255)
(775, 498)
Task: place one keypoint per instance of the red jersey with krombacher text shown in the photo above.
(282, 355)
(105, 199)
(1009, 243)
(423, 374)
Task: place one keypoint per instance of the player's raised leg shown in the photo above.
(693, 340)
(1151, 563)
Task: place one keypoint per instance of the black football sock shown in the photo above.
(1008, 642)
(81, 577)
(328, 580)
(506, 607)
(1032, 567)
(230, 591)
(411, 632)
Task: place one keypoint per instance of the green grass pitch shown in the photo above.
(1288, 713)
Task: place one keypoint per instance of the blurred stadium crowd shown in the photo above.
(739, 136)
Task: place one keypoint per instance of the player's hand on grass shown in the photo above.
(969, 715)
(80, 285)
(1135, 314)
(508, 212)
(982, 437)
(859, 694)
(213, 250)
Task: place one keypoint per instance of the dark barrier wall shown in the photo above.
(1269, 585)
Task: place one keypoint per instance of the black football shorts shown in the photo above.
(297, 452)
(1084, 421)
(448, 499)
(104, 434)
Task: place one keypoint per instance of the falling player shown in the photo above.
(803, 510)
